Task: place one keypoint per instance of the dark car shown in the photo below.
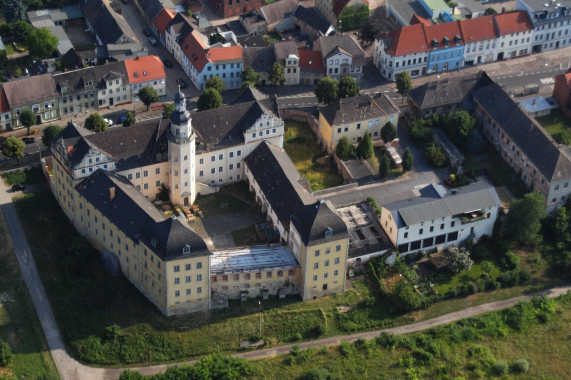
(167, 63)
(182, 83)
(28, 140)
(147, 32)
(153, 41)
(18, 187)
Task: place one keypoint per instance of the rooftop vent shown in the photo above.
(328, 232)
(144, 73)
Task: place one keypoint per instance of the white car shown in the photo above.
(109, 122)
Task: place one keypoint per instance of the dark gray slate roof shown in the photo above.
(258, 58)
(360, 107)
(277, 11)
(407, 8)
(75, 81)
(434, 203)
(152, 8)
(313, 220)
(109, 26)
(345, 42)
(110, 71)
(312, 17)
(526, 133)
(284, 49)
(31, 89)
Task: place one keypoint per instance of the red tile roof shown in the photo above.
(407, 40)
(439, 31)
(144, 69)
(310, 60)
(199, 54)
(4, 106)
(513, 22)
(478, 29)
(163, 19)
(218, 54)
(416, 19)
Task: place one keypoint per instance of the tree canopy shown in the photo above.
(384, 166)
(13, 147)
(404, 83)
(168, 109)
(209, 99)
(14, 10)
(348, 87)
(249, 77)
(42, 43)
(344, 150)
(129, 119)
(407, 160)
(365, 147)
(524, 219)
(95, 123)
(216, 83)
(49, 133)
(276, 74)
(404, 296)
(148, 96)
(27, 119)
(388, 132)
(326, 90)
(457, 259)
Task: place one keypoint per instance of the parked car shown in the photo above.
(109, 122)
(182, 83)
(167, 63)
(28, 140)
(18, 187)
(153, 41)
(147, 32)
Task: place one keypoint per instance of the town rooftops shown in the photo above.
(69, 12)
(278, 10)
(513, 22)
(312, 17)
(163, 19)
(63, 44)
(199, 55)
(416, 19)
(525, 132)
(152, 8)
(318, 223)
(221, 54)
(248, 259)
(361, 107)
(327, 44)
(406, 40)
(76, 80)
(435, 202)
(284, 49)
(407, 9)
(259, 58)
(548, 5)
(448, 32)
(29, 90)
(478, 29)
(109, 26)
(144, 69)
(310, 60)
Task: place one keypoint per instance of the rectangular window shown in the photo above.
(198, 277)
(317, 253)
(315, 265)
(177, 280)
(187, 279)
(177, 268)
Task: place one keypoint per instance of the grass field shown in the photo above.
(475, 273)
(231, 198)
(19, 325)
(301, 146)
(555, 122)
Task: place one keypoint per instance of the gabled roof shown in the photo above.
(407, 40)
(442, 32)
(478, 29)
(199, 54)
(163, 19)
(115, 70)
(259, 58)
(4, 106)
(513, 22)
(310, 60)
(108, 25)
(327, 44)
(221, 54)
(525, 132)
(361, 107)
(29, 90)
(153, 8)
(144, 69)
(312, 17)
(284, 49)
(416, 19)
(75, 80)
(277, 11)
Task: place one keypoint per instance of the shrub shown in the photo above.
(404, 297)
(511, 260)
(360, 343)
(5, 353)
(452, 293)
(435, 156)
(487, 266)
(457, 259)
(319, 373)
(483, 354)
(423, 356)
(519, 316)
(295, 350)
(305, 355)
(387, 341)
(491, 284)
(469, 288)
(434, 349)
(500, 368)
(346, 348)
(520, 366)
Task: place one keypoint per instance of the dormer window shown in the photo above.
(328, 232)
(186, 249)
(154, 242)
(434, 43)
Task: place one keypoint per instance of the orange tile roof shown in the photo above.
(143, 69)
(163, 19)
(224, 53)
(199, 54)
(513, 22)
(416, 19)
(4, 106)
(478, 29)
(439, 31)
(310, 60)
(407, 40)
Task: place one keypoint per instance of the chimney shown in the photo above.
(111, 193)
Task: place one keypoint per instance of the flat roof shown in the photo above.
(252, 259)
(538, 104)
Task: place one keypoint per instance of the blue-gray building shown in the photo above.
(446, 46)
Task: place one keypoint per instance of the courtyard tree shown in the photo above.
(216, 83)
(407, 160)
(457, 259)
(148, 96)
(404, 83)
(27, 119)
(95, 123)
(388, 132)
(42, 43)
(209, 99)
(130, 119)
(13, 148)
(249, 77)
(14, 10)
(348, 87)
(384, 166)
(459, 125)
(365, 147)
(344, 150)
(404, 296)
(276, 74)
(326, 90)
(49, 134)
(168, 109)
(453, 5)
(524, 219)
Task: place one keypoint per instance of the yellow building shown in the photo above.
(352, 117)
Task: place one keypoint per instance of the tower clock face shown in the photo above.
(183, 130)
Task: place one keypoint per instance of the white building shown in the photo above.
(515, 35)
(342, 56)
(551, 20)
(479, 39)
(440, 217)
(146, 71)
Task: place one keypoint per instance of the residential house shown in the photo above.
(5, 115)
(515, 34)
(254, 23)
(352, 117)
(107, 26)
(436, 9)
(69, 15)
(146, 71)
(440, 218)
(562, 92)
(176, 32)
(331, 9)
(150, 9)
(311, 69)
(279, 15)
(541, 163)
(550, 21)
(479, 39)
(37, 93)
(312, 228)
(311, 23)
(342, 56)
(77, 91)
(229, 8)
(446, 47)
(121, 52)
(260, 59)
(161, 22)
(112, 85)
(287, 55)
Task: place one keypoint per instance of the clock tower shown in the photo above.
(181, 154)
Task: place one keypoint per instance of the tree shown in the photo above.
(49, 134)
(452, 4)
(95, 123)
(168, 109)
(249, 77)
(276, 74)
(27, 119)
(5, 353)
(20, 30)
(388, 132)
(457, 259)
(131, 375)
(407, 160)
(209, 99)
(216, 83)
(404, 296)
(374, 25)
(524, 219)
(491, 11)
(343, 150)
(560, 226)
(458, 126)
(420, 132)
(365, 147)
(348, 87)
(562, 137)
(148, 96)
(130, 119)
(42, 43)
(216, 38)
(435, 156)
(13, 148)
(384, 167)
(14, 10)
(326, 90)
(404, 83)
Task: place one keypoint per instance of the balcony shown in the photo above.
(472, 216)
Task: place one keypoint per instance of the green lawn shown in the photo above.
(475, 273)
(301, 146)
(231, 198)
(19, 325)
(555, 122)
